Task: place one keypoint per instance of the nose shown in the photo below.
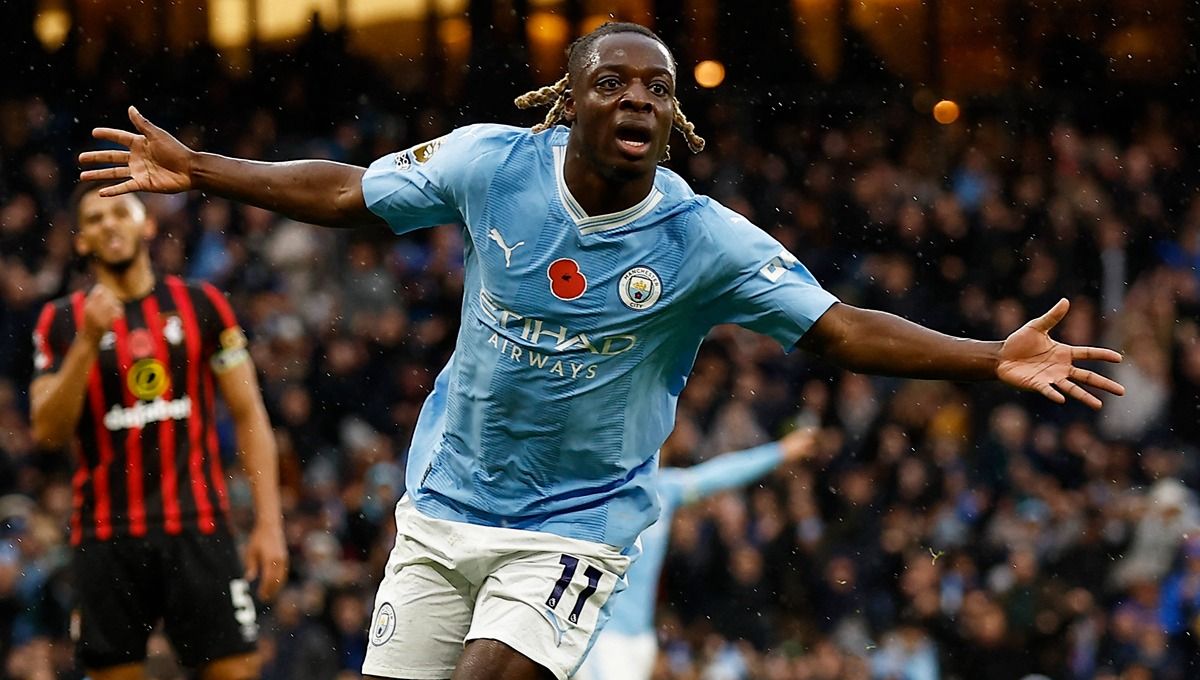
(637, 98)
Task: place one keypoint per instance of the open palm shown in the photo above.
(154, 160)
(1031, 360)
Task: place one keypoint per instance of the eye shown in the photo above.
(608, 83)
(659, 89)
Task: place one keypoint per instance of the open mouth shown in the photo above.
(634, 140)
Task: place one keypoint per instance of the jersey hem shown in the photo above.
(434, 508)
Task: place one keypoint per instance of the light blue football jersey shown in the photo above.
(633, 609)
(578, 331)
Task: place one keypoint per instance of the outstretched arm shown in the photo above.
(867, 341)
(736, 469)
(313, 191)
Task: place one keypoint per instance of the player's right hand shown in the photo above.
(100, 309)
(155, 160)
(267, 559)
(799, 445)
(1031, 360)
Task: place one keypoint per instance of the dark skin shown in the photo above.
(620, 108)
(626, 90)
(112, 233)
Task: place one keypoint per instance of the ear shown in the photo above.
(81, 247)
(149, 228)
(568, 107)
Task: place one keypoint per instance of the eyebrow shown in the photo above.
(621, 66)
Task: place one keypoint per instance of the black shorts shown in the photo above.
(192, 583)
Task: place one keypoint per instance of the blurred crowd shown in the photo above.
(942, 530)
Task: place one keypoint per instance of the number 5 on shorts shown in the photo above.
(243, 608)
(569, 565)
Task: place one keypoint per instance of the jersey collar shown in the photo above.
(598, 223)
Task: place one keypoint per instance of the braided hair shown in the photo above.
(555, 96)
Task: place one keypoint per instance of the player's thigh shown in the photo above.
(210, 614)
(548, 606)
(241, 667)
(421, 617)
(494, 660)
(116, 585)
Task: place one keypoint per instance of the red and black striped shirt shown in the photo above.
(147, 450)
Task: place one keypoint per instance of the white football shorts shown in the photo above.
(447, 583)
(620, 657)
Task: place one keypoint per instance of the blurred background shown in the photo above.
(944, 531)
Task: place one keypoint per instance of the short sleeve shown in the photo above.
(434, 182)
(51, 339)
(762, 286)
(223, 339)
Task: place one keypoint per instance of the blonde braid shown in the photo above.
(555, 95)
(694, 141)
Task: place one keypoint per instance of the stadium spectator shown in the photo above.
(627, 647)
(816, 152)
(481, 440)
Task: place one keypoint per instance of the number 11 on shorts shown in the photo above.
(569, 566)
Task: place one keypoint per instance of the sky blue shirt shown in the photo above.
(633, 609)
(578, 331)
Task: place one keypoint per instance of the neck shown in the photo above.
(598, 192)
(134, 282)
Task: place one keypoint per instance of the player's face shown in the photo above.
(112, 231)
(623, 104)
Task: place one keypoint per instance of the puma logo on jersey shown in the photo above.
(508, 251)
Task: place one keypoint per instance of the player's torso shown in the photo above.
(147, 443)
(144, 368)
(599, 294)
(576, 337)
(633, 610)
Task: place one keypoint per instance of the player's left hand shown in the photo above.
(799, 445)
(1031, 360)
(267, 560)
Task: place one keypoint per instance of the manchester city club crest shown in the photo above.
(384, 626)
(640, 288)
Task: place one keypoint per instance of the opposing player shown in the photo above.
(128, 371)
(627, 647)
(592, 275)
